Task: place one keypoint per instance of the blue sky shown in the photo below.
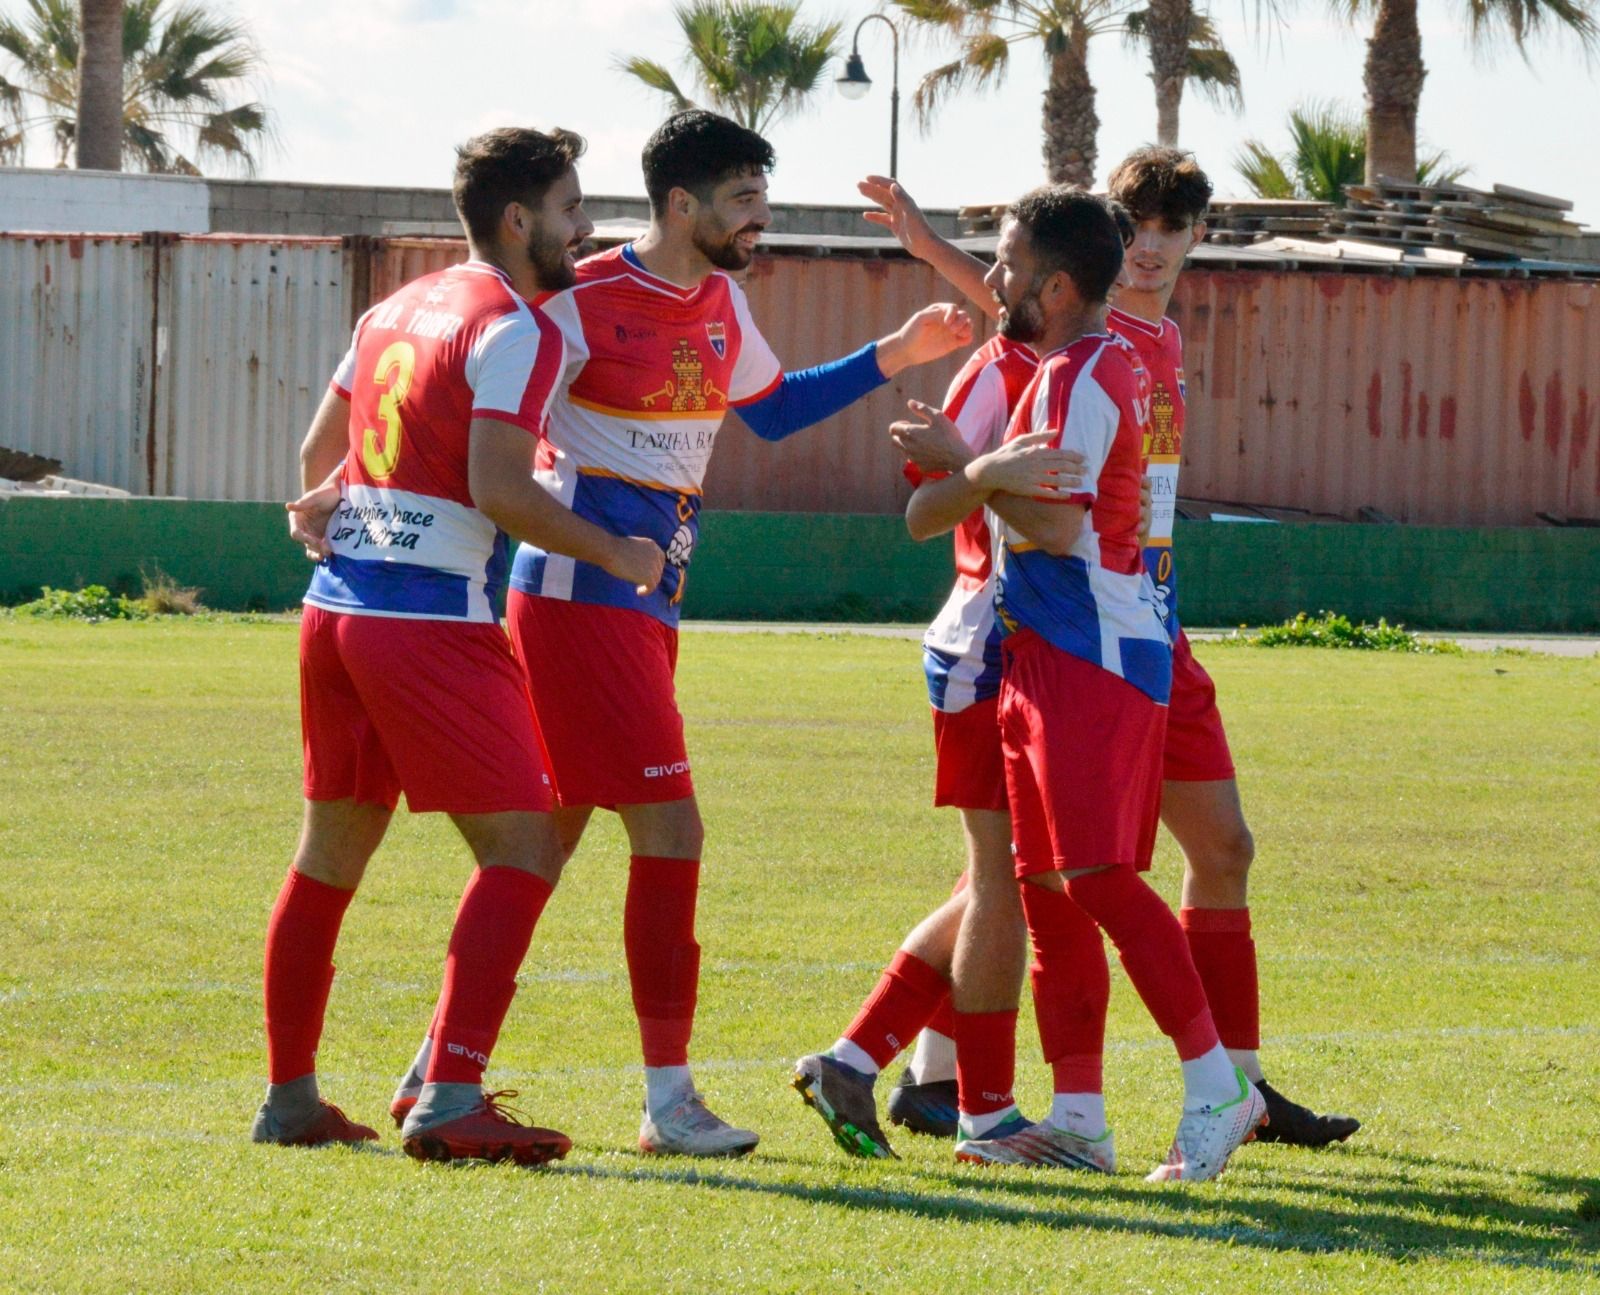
(379, 92)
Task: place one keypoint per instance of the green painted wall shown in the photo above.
(794, 566)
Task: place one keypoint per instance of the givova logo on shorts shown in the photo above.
(666, 770)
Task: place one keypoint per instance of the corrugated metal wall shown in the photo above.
(1443, 400)
(813, 309)
(250, 331)
(76, 352)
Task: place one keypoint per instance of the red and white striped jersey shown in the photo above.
(445, 349)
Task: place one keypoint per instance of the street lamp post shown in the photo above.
(855, 83)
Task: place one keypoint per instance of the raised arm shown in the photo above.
(900, 215)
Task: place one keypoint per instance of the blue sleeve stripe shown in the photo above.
(807, 396)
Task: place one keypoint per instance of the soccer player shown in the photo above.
(976, 942)
(1166, 193)
(407, 680)
(1088, 670)
(660, 345)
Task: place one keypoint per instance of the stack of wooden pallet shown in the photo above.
(1495, 224)
(1237, 221)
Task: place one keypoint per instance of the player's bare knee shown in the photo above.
(1226, 856)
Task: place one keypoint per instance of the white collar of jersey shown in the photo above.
(656, 281)
(1138, 325)
(485, 267)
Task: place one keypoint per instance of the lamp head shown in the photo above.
(855, 82)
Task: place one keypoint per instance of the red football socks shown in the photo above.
(906, 998)
(986, 1061)
(943, 1020)
(663, 958)
(494, 927)
(1071, 987)
(1154, 953)
(301, 933)
(1225, 956)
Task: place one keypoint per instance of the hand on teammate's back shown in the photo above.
(308, 520)
(899, 214)
(1029, 466)
(935, 444)
(638, 560)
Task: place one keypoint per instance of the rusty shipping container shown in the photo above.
(193, 365)
(1450, 401)
(77, 352)
(250, 332)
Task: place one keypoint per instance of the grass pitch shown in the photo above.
(1426, 909)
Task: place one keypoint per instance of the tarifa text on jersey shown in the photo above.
(700, 438)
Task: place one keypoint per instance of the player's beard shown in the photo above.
(719, 245)
(1024, 319)
(550, 264)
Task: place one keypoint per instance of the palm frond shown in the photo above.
(1211, 67)
(1330, 150)
(656, 77)
(1438, 169)
(1263, 171)
(983, 63)
(1524, 20)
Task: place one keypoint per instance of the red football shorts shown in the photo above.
(1083, 761)
(603, 697)
(1197, 748)
(436, 709)
(969, 767)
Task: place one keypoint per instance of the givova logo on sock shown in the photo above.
(461, 1050)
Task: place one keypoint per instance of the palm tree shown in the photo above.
(1328, 154)
(1394, 71)
(100, 86)
(179, 65)
(753, 60)
(1184, 46)
(985, 32)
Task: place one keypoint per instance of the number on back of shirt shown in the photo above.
(395, 367)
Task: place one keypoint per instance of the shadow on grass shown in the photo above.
(1379, 1208)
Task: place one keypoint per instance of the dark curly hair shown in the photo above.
(1072, 230)
(697, 150)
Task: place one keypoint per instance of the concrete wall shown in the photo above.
(102, 202)
(785, 566)
(106, 202)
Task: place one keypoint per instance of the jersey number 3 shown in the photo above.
(395, 367)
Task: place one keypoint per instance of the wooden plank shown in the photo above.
(1534, 199)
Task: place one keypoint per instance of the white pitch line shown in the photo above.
(1441, 1034)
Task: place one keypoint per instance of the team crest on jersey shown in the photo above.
(1163, 423)
(1183, 387)
(718, 337)
(689, 389)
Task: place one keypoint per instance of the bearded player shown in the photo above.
(660, 345)
(407, 681)
(1166, 193)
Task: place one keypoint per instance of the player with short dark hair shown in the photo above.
(407, 681)
(660, 346)
(696, 151)
(1086, 677)
(1165, 192)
